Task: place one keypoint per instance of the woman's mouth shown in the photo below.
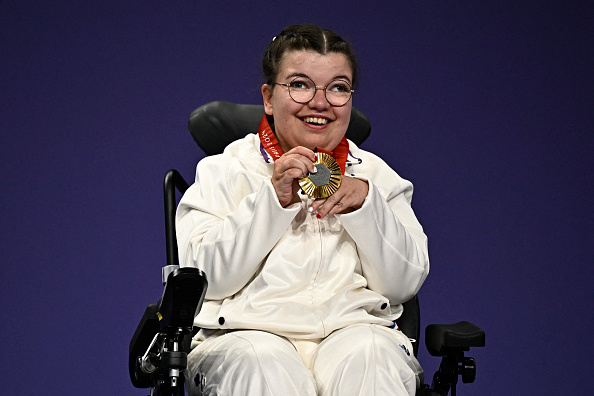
(315, 120)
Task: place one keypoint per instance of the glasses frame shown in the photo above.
(288, 86)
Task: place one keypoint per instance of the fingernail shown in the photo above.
(319, 216)
(315, 170)
(310, 209)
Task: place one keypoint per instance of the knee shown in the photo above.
(358, 341)
(256, 348)
(260, 363)
(364, 358)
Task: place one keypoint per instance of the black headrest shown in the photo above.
(216, 124)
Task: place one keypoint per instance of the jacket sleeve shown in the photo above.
(390, 241)
(226, 225)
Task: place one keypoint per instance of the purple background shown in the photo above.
(487, 106)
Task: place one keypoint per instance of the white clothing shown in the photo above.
(284, 271)
(378, 361)
(281, 276)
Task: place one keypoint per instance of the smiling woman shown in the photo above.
(316, 122)
(289, 226)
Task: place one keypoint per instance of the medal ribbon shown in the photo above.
(272, 146)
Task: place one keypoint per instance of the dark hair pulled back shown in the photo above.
(304, 37)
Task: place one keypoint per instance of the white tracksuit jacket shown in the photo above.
(284, 271)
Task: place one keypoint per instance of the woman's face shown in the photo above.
(294, 122)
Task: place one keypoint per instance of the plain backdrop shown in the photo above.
(486, 106)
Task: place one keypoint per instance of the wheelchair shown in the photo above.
(160, 345)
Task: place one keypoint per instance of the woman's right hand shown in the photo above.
(288, 169)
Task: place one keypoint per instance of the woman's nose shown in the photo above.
(319, 100)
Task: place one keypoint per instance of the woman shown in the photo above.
(303, 292)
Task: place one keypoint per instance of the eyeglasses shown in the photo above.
(303, 89)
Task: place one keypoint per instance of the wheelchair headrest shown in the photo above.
(216, 124)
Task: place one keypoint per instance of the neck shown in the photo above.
(271, 144)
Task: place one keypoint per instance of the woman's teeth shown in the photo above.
(315, 120)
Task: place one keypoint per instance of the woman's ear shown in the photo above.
(267, 97)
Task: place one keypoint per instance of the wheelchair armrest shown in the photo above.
(443, 339)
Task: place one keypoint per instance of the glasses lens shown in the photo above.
(302, 89)
(338, 92)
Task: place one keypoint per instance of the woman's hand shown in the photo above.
(349, 197)
(288, 169)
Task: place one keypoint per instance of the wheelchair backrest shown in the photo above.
(216, 124)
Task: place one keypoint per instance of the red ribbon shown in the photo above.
(272, 146)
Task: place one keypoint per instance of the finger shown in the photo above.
(300, 162)
(304, 155)
(339, 207)
(330, 207)
(323, 205)
(291, 162)
(316, 205)
(304, 151)
(328, 210)
(293, 173)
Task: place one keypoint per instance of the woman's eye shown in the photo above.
(341, 87)
(300, 84)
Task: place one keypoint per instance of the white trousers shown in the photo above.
(357, 360)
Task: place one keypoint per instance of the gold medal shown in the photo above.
(325, 181)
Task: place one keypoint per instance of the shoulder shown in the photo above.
(370, 166)
(240, 169)
(366, 161)
(242, 153)
(358, 155)
(244, 148)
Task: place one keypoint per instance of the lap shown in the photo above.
(363, 338)
(362, 357)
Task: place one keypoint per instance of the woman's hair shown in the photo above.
(304, 37)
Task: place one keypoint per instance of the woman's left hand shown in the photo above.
(349, 197)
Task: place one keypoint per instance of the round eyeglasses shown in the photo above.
(303, 89)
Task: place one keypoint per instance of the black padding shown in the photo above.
(410, 321)
(216, 124)
(442, 339)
